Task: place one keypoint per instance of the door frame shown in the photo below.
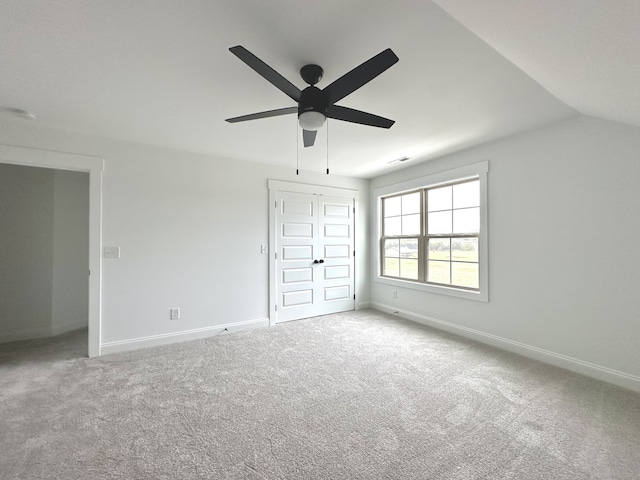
(294, 187)
(32, 157)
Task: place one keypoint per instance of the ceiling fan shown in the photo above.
(315, 105)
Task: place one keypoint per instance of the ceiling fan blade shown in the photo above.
(309, 137)
(268, 113)
(266, 71)
(360, 75)
(357, 116)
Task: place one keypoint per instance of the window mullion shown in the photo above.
(421, 243)
(425, 241)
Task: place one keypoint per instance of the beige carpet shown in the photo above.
(361, 395)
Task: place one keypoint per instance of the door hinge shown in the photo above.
(275, 255)
(354, 296)
(354, 253)
(276, 204)
(354, 209)
(276, 308)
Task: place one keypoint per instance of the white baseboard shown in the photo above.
(363, 305)
(599, 372)
(69, 326)
(175, 337)
(26, 335)
(44, 332)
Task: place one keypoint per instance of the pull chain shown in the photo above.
(327, 146)
(297, 150)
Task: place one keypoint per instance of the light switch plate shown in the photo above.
(264, 249)
(111, 252)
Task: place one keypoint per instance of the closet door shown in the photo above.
(314, 255)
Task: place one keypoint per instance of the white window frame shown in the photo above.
(477, 170)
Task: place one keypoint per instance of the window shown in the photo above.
(434, 237)
(451, 233)
(402, 227)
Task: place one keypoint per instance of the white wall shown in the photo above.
(564, 267)
(70, 286)
(189, 228)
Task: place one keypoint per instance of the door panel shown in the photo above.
(335, 225)
(297, 298)
(297, 252)
(297, 230)
(297, 275)
(340, 231)
(314, 265)
(337, 293)
(338, 271)
(336, 251)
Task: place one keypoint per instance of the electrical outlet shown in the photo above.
(174, 314)
(394, 293)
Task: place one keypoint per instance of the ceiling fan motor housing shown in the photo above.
(312, 99)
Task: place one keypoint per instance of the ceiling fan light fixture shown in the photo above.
(311, 120)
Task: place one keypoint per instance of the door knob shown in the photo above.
(318, 261)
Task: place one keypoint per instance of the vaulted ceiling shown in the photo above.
(159, 72)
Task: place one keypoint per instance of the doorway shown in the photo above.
(44, 257)
(78, 163)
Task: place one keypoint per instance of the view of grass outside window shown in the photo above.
(432, 235)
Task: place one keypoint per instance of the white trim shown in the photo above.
(279, 185)
(592, 370)
(282, 186)
(478, 170)
(460, 173)
(187, 335)
(82, 163)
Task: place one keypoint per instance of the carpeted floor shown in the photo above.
(360, 395)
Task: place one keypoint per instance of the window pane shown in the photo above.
(392, 226)
(439, 249)
(466, 194)
(411, 203)
(466, 220)
(411, 224)
(465, 249)
(439, 199)
(409, 248)
(465, 274)
(438, 272)
(391, 267)
(409, 268)
(392, 248)
(392, 207)
(439, 222)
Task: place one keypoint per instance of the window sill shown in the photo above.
(479, 296)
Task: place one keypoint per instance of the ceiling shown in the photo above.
(159, 72)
